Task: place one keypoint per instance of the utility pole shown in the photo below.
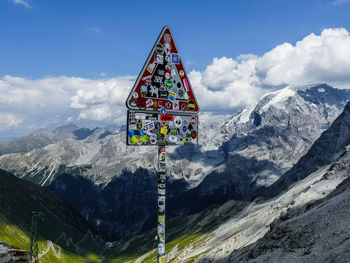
(34, 249)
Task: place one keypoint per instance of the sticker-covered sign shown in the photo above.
(153, 128)
(163, 81)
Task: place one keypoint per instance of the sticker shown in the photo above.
(158, 79)
(191, 105)
(169, 84)
(161, 72)
(133, 103)
(176, 105)
(166, 117)
(186, 85)
(159, 49)
(173, 72)
(161, 191)
(167, 75)
(190, 127)
(178, 121)
(161, 259)
(159, 58)
(153, 139)
(164, 131)
(184, 107)
(148, 126)
(155, 105)
(141, 103)
(140, 116)
(181, 73)
(147, 78)
(186, 97)
(143, 91)
(168, 57)
(194, 120)
(168, 105)
(149, 103)
(172, 96)
(137, 137)
(161, 228)
(184, 139)
(161, 201)
(167, 47)
(180, 93)
(184, 128)
(163, 110)
(154, 91)
(168, 68)
(161, 176)
(161, 237)
(135, 95)
(193, 134)
(163, 94)
(151, 67)
(175, 59)
(167, 38)
(173, 139)
(161, 219)
(139, 125)
(161, 167)
(161, 248)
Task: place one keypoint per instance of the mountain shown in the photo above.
(102, 178)
(298, 225)
(64, 235)
(324, 151)
(308, 222)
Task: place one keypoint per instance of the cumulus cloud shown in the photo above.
(230, 83)
(52, 101)
(224, 86)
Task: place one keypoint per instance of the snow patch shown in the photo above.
(279, 97)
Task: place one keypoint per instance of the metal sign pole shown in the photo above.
(161, 202)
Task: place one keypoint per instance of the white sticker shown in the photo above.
(178, 121)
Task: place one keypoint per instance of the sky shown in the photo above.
(75, 61)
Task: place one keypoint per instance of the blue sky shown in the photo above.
(88, 37)
(75, 61)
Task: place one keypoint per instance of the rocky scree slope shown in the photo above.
(281, 229)
(308, 222)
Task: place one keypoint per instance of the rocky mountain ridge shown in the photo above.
(236, 157)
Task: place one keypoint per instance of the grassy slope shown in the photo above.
(182, 231)
(18, 198)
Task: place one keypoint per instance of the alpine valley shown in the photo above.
(266, 184)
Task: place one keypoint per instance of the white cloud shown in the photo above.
(229, 83)
(52, 101)
(24, 3)
(340, 2)
(225, 85)
(8, 120)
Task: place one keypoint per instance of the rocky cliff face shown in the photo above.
(236, 157)
(324, 151)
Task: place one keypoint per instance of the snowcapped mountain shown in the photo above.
(247, 151)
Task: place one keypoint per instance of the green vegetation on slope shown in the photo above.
(61, 224)
(182, 232)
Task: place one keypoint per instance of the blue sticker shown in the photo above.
(163, 110)
(175, 59)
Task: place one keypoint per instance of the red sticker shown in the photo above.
(166, 117)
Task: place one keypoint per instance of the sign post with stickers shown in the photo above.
(162, 110)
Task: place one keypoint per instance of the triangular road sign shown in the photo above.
(162, 84)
